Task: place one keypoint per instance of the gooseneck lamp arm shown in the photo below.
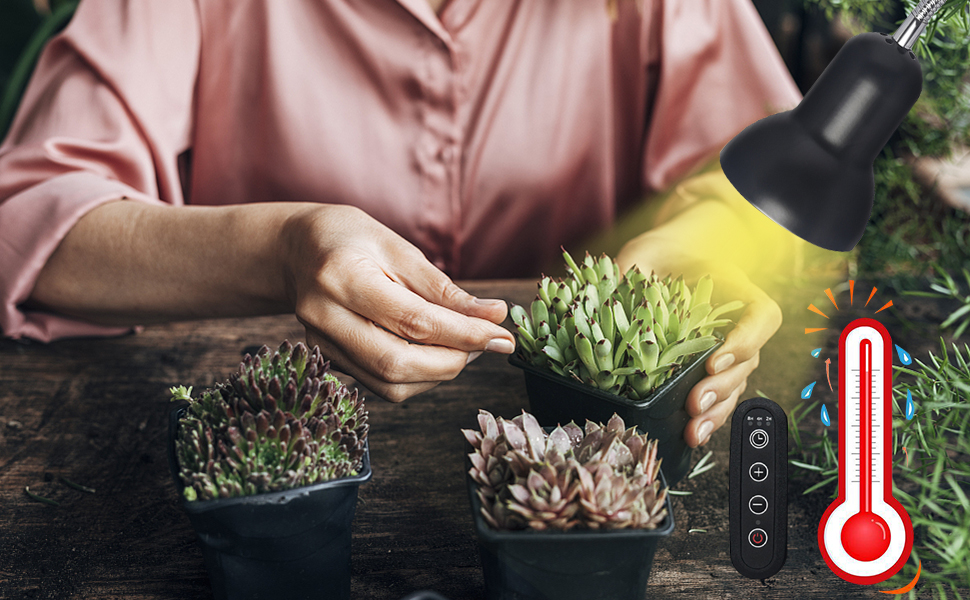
(916, 22)
(810, 169)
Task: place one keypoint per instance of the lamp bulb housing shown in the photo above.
(810, 169)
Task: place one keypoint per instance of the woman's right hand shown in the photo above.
(378, 309)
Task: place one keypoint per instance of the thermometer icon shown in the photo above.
(865, 535)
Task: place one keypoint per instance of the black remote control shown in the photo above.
(759, 488)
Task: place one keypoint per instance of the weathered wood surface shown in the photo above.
(94, 411)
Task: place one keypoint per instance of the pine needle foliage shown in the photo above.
(931, 476)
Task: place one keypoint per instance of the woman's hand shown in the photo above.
(712, 401)
(378, 309)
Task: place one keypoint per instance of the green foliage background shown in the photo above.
(910, 229)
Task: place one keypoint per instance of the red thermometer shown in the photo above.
(865, 535)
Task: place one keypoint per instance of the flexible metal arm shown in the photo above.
(916, 22)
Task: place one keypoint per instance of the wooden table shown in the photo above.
(94, 411)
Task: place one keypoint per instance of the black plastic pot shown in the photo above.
(554, 399)
(570, 565)
(281, 545)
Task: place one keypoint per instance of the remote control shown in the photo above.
(759, 488)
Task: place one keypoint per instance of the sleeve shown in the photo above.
(105, 116)
(716, 71)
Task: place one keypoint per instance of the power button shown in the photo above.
(757, 538)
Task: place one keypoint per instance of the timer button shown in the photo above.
(759, 438)
(757, 538)
(758, 471)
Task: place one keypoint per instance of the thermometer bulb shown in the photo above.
(865, 535)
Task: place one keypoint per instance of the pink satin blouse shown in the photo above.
(488, 136)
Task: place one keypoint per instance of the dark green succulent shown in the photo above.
(281, 421)
(623, 334)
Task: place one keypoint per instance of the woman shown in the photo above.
(334, 158)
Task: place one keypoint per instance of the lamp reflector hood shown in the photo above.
(810, 169)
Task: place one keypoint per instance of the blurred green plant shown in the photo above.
(25, 33)
(931, 476)
(18, 20)
(945, 286)
(908, 230)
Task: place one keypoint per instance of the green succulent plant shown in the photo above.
(605, 477)
(624, 334)
(281, 421)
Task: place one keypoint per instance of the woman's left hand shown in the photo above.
(712, 401)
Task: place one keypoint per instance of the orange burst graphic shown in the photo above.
(828, 292)
(908, 586)
(871, 294)
(885, 306)
(815, 310)
(831, 297)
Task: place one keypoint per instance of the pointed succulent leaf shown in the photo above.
(702, 292)
(606, 322)
(585, 350)
(546, 291)
(573, 267)
(725, 308)
(520, 318)
(540, 311)
(686, 348)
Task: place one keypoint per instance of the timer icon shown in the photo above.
(759, 438)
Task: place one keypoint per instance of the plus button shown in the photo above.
(758, 471)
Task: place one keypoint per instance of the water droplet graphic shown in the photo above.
(904, 356)
(816, 352)
(807, 390)
(910, 407)
(825, 416)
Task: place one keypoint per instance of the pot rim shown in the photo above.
(654, 397)
(265, 498)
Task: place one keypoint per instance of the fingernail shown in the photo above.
(724, 361)
(704, 431)
(489, 301)
(472, 356)
(707, 400)
(500, 346)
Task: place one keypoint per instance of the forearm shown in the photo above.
(127, 263)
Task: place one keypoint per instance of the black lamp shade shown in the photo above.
(810, 169)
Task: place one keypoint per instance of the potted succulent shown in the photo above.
(565, 513)
(598, 343)
(268, 464)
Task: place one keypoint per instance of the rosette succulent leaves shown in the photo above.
(624, 334)
(281, 421)
(600, 478)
